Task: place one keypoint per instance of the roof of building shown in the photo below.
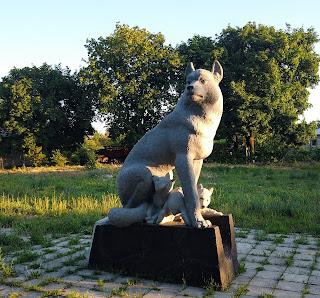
(318, 131)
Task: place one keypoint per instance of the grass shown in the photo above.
(6, 271)
(44, 201)
(274, 199)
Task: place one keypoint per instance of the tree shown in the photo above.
(200, 51)
(266, 89)
(44, 107)
(132, 74)
(266, 76)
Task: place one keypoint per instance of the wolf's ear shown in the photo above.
(211, 190)
(190, 68)
(200, 186)
(217, 71)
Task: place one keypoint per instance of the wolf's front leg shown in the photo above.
(185, 170)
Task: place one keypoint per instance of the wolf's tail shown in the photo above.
(124, 217)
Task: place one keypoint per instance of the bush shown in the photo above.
(35, 155)
(58, 159)
(267, 152)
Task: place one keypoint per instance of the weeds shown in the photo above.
(261, 236)
(242, 268)
(153, 287)
(305, 291)
(120, 291)
(263, 295)
(242, 234)
(49, 280)
(265, 262)
(52, 293)
(278, 239)
(74, 294)
(5, 270)
(289, 260)
(211, 287)
(34, 275)
(260, 268)
(302, 240)
(26, 256)
(241, 290)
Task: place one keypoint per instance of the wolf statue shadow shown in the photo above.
(181, 141)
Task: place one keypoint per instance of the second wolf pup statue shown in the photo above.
(181, 141)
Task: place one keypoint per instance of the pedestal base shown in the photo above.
(171, 252)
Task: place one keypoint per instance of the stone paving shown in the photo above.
(270, 266)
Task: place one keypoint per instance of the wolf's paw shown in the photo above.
(203, 224)
(208, 211)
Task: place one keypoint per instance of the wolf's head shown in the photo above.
(204, 196)
(202, 86)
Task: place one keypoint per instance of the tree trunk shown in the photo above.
(235, 143)
(250, 144)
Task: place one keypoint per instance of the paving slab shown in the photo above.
(192, 291)
(314, 289)
(298, 278)
(303, 264)
(314, 280)
(286, 294)
(256, 291)
(298, 270)
(263, 282)
(290, 286)
(315, 273)
(277, 261)
(266, 274)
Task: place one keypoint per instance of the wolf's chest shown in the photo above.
(200, 145)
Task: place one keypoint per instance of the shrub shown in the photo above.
(35, 155)
(58, 159)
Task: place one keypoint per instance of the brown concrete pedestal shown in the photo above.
(169, 252)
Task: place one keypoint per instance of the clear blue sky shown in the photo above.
(34, 32)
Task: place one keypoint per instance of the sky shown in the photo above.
(34, 32)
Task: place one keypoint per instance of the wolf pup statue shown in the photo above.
(181, 141)
(175, 204)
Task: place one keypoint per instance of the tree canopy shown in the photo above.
(267, 73)
(133, 75)
(43, 107)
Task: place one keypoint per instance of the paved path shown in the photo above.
(271, 266)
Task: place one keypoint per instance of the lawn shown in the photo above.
(42, 201)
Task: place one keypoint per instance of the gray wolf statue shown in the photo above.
(181, 141)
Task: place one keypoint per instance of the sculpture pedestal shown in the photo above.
(169, 252)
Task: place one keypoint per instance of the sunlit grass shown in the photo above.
(276, 199)
(56, 201)
(33, 206)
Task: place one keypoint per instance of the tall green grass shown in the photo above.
(40, 203)
(276, 199)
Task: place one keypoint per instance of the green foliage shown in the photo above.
(6, 271)
(265, 91)
(35, 154)
(43, 107)
(266, 198)
(267, 73)
(58, 159)
(86, 154)
(267, 152)
(133, 74)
